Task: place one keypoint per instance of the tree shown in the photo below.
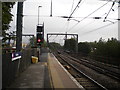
(110, 48)
(84, 47)
(32, 41)
(113, 47)
(55, 46)
(6, 18)
(70, 44)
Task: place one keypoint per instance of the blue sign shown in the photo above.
(16, 55)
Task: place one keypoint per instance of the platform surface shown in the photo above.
(60, 77)
(48, 73)
(33, 77)
(36, 76)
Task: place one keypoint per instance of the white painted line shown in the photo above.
(74, 80)
(16, 58)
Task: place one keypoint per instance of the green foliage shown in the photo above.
(110, 48)
(54, 46)
(70, 44)
(6, 17)
(104, 51)
(32, 41)
(84, 47)
(44, 44)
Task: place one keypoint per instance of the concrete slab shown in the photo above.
(43, 57)
(33, 77)
(47, 79)
(60, 77)
(45, 74)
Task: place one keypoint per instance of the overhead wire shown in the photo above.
(109, 11)
(106, 20)
(87, 16)
(70, 12)
(67, 23)
(85, 25)
(98, 28)
(94, 21)
(72, 6)
(74, 10)
(64, 26)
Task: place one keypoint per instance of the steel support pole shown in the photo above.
(19, 26)
(76, 43)
(51, 9)
(43, 31)
(47, 41)
(1, 45)
(38, 13)
(119, 23)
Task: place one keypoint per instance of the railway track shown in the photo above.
(102, 68)
(86, 80)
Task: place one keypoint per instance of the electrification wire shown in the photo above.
(85, 25)
(72, 6)
(74, 10)
(70, 12)
(87, 16)
(78, 6)
(67, 26)
(94, 21)
(98, 28)
(109, 11)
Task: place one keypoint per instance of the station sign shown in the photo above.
(16, 55)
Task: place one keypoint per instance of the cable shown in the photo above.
(99, 28)
(67, 25)
(72, 27)
(86, 25)
(74, 10)
(72, 6)
(88, 15)
(94, 11)
(109, 11)
(94, 21)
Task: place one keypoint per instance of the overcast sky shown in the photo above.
(88, 29)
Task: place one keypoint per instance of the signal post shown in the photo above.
(40, 34)
(39, 37)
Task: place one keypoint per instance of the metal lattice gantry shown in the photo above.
(63, 34)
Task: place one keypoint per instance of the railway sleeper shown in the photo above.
(67, 67)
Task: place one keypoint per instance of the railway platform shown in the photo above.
(59, 75)
(48, 73)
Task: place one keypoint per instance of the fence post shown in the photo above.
(17, 73)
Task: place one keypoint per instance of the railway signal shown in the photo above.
(39, 39)
(40, 34)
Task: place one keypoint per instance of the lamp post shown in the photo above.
(38, 13)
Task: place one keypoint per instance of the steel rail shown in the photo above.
(83, 73)
(110, 73)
